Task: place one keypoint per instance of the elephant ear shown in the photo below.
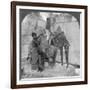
(44, 43)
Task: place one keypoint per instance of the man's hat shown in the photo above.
(34, 34)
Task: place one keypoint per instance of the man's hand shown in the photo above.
(27, 58)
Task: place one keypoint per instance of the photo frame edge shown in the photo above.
(13, 47)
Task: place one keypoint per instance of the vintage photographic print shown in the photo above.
(49, 44)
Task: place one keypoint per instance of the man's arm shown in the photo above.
(29, 50)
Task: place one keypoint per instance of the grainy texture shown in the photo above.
(36, 22)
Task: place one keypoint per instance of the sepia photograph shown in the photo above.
(49, 44)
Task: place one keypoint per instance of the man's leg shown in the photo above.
(61, 54)
(67, 54)
(54, 57)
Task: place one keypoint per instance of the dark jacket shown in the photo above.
(60, 40)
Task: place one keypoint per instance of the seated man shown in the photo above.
(61, 41)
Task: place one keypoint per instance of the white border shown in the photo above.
(63, 79)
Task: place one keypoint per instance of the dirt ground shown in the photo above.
(57, 71)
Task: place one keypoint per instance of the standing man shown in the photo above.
(36, 54)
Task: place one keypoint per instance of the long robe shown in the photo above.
(33, 53)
